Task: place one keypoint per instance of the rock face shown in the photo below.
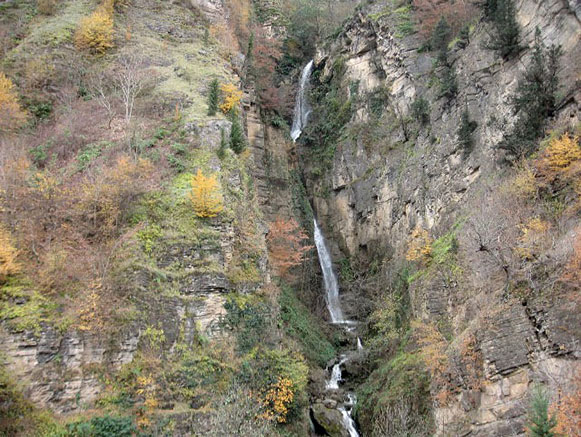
(377, 191)
(329, 419)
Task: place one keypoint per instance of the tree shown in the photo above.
(448, 83)
(8, 264)
(223, 145)
(540, 424)
(237, 139)
(249, 61)
(131, 78)
(213, 97)
(534, 99)
(12, 116)
(287, 245)
(232, 96)
(506, 36)
(206, 195)
(465, 130)
(95, 32)
(441, 35)
(569, 410)
(421, 110)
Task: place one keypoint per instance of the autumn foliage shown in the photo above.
(568, 410)
(8, 264)
(232, 96)
(287, 245)
(429, 12)
(420, 245)
(206, 195)
(12, 116)
(95, 32)
(277, 400)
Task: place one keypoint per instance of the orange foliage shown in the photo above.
(12, 116)
(205, 195)
(95, 32)
(103, 198)
(532, 238)
(568, 410)
(232, 96)
(286, 244)
(428, 12)
(572, 273)
(562, 153)
(8, 264)
(420, 246)
(277, 400)
(433, 351)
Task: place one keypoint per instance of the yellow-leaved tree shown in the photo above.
(232, 96)
(206, 195)
(95, 32)
(12, 116)
(8, 264)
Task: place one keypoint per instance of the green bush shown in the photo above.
(465, 130)
(106, 426)
(300, 324)
(421, 110)
(213, 97)
(237, 139)
(540, 423)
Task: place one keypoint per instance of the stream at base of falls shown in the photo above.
(346, 399)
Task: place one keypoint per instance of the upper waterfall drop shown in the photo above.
(331, 285)
(302, 107)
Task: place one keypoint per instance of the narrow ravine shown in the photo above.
(300, 117)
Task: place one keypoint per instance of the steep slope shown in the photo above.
(479, 301)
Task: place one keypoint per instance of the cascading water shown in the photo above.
(302, 107)
(331, 285)
(301, 115)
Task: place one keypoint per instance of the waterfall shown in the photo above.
(346, 411)
(331, 286)
(302, 108)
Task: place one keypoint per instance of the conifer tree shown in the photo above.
(249, 61)
(213, 97)
(441, 35)
(540, 424)
(534, 99)
(237, 140)
(465, 130)
(223, 145)
(506, 37)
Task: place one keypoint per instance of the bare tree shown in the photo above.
(131, 77)
(103, 90)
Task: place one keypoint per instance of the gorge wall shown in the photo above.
(387, 175)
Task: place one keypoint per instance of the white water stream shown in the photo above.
(300, 118)
(302, 107)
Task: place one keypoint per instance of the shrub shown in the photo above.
(286, 244)
(46, 7)
(562, 153)
(223, 145)
(448, 84)
(465, 130)
(421, 110)
(106, 426)
(568, 410)
(540, 423)
(213, 97)
(420, 246)
(95, 32)
(206, 195)
(8, 264)
(232, 96)
(12, 116)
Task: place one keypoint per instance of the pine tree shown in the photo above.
(441, 35)
(489, 7)
(540, 424)
(249, 61)
(213, 97)
(237, 140)
(223, 145)
(506, 35)
(465, 130)
(205, 195)
(534, 99)
(448, 84)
